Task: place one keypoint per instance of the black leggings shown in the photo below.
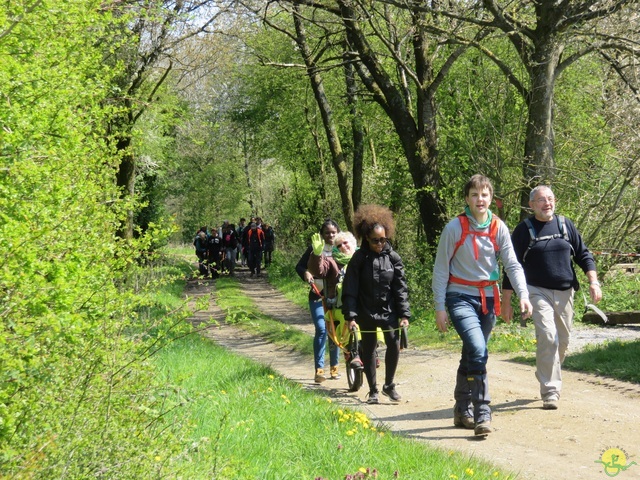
(369, 343)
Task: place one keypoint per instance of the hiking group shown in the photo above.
(367, 288)
(220, 249)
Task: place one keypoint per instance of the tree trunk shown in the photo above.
(337, 154)
(357, 132)
(418, 139)
(126, 182)
(247, 173)
(539, 165)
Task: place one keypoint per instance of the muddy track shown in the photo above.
(595, 414)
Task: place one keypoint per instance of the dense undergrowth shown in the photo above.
(80, 396)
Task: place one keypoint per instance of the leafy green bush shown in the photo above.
(620, 292)
(78, 396)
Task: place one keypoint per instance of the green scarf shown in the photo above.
(341, 258)
(467, 211)
(495, 275)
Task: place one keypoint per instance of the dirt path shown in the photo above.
(595, 414)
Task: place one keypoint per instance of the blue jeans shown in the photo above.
(474, 329)
(230, 259)
(321, 337)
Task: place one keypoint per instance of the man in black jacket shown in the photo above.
(544, 245)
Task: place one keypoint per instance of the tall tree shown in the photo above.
(402, 64)
(337, 153)
(549, 36)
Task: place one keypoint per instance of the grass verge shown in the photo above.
(248, 423)
(613, 359)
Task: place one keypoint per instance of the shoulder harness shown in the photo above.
(533, 239)
(480, 284)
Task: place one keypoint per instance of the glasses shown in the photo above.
(343, 244)
(378, 240)
(542, 200)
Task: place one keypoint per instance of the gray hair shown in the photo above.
(532, 195)
(342, 236)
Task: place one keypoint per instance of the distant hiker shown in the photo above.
(255, 245)
(545, 244)
(223, 227)
(214, 253)
(239, 231)
(375, 294)
(229, 244)
(465, 279)
(269, 243)
(243, 239)
(200, 244)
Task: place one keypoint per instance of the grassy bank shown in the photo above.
(250, 423)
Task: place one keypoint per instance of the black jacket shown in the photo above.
(548, 263)
(375, 287)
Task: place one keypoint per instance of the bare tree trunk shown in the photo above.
(357, 132)
(247, 173)
(126, 174)
(539, 165)
(337, 154)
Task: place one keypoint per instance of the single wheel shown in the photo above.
(354, 375)
(354, 378)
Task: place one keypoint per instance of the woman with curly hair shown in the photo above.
(374, 294)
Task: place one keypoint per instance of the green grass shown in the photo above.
(283, 276)
(250, 423)
(613, 359)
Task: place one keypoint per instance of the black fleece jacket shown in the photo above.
(548, 263)
(375, 287)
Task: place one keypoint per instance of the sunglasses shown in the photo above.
(378, 240)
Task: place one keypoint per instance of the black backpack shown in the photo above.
(214, 242)
(533, 239)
